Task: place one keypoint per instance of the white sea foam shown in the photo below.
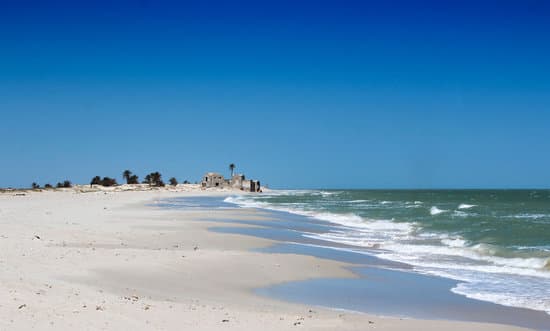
(529, 216)
(466, 206)
(455, 242)
(436, 211)
(507, 293)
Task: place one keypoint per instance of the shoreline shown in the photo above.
(355, 294)
(110, 260)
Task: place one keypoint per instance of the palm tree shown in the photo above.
(232, 168)
(126, 175)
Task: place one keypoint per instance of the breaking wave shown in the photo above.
(466, 206)
(436, 211)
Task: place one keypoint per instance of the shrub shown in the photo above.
(133, 180)
(48, 186)
(35, 186)
(66, 184)
(96, 181)
(173, 181)
(154, 179)
(107, 181)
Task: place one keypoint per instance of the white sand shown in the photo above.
(106, 261)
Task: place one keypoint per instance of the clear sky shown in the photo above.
(300, 94)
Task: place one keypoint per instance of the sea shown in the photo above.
(494, 243)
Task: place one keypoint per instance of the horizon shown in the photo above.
(391, 96)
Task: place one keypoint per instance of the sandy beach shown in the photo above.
(113, 260)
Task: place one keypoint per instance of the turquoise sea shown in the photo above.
(496, 243)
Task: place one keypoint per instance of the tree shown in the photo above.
(186, 182)
(232, 168)
(96, 181)
(148, 180)
(133, 180)
(48, 185)
(127, 175)
(173, 181)
(66, 184)
(107, 181)
(154, 179)
(35, 185)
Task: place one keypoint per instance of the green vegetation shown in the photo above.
(130, 177)
(65, 184)
(106, 181)
(232, 167)
(173, 181)
(154, 179)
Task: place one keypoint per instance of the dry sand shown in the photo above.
(81, 259)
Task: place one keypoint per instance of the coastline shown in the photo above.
(111, 260)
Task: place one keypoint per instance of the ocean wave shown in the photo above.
(436, 211)
(506, 293)
(351, 220)
(529, 216)
(466, 206)
(454, 242)
(477, 258)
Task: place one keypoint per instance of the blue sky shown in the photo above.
(301, 94)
